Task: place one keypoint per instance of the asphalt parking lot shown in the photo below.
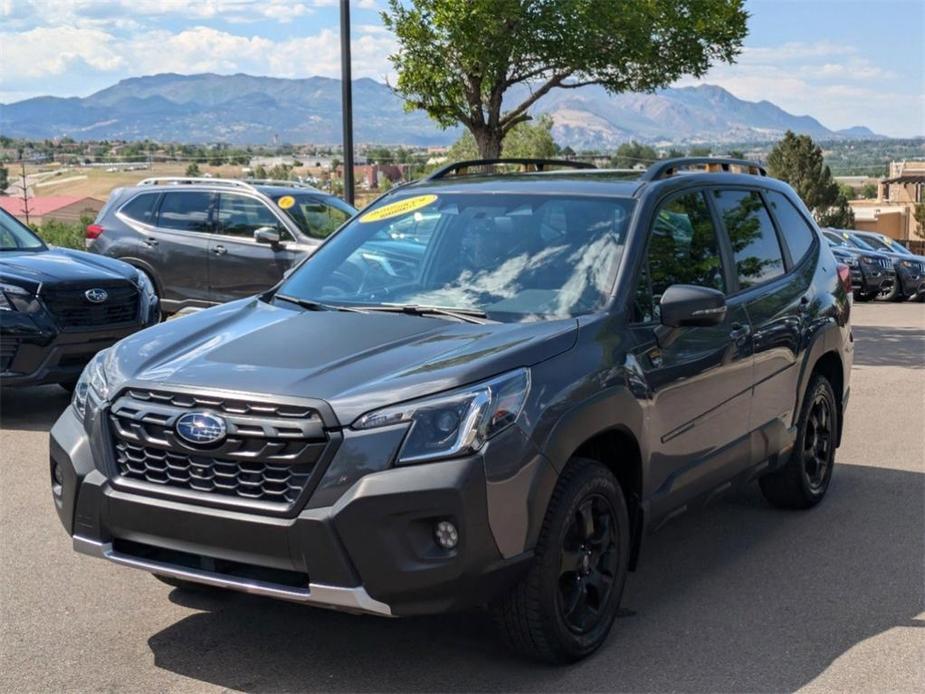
(739, 597)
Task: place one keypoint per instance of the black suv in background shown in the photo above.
(483, 389)
(910, 268)
(872, 273)
(59, 307)
(204, 241)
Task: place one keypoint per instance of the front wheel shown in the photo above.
(563, 608)
(804, 479)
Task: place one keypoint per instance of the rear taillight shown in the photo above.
(93, 231)
(844, 274)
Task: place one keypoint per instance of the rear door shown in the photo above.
(179, 245)
(239, 266)
(699, 379)
(777, 294)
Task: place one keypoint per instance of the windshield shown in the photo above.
(890, 247)
(14, 236)
(854, 241)
(513, 257)
(317, 216)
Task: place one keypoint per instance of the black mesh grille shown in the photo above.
(72, 309)
(268, 454)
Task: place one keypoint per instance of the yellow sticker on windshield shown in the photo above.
(396, 209)
(286, 202)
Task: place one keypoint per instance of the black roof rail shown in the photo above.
(669, 167)
(537, 165)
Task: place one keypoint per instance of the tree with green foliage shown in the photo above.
(525, 140)
(797, 160)
(193, 170)
(919, 215)
(4, 179)
(631, 154)
(869, 191)
(700, 151)
(457, 60)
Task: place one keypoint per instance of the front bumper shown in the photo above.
(371, 549)
(874, 280)
(911, 282)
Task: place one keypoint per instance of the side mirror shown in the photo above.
(268, 235)
(687, 305)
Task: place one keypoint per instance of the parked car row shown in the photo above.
(881, 268)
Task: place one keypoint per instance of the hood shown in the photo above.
(56, 266)
(356, 362)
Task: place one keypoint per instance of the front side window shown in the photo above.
(141, 208)
(185, 211)
(515, 257)
(240, 215)
(316, 217)
(682, 249)
(758, 257)
(15, 236)
(796, 230)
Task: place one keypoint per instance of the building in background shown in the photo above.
(893, 211)
(63, 208)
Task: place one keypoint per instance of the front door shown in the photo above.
(239, 266)
(179, 247)
(698, 379)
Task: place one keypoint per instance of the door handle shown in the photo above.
(219, 250)
(739, 332)
(151, 242)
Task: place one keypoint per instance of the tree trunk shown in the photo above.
(488, 140)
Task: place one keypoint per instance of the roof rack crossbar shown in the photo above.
(193, 181)
(669, 167)
(460, 167)
(279, 182)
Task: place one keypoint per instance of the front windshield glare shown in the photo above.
(15, 237)
(514, 257)
(316, 217)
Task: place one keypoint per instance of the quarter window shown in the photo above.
(239, 215)
(185, 211)
(141, 208)
(797, 232)
(683, 249)
(754, 242)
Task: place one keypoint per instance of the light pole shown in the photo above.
(346, 98)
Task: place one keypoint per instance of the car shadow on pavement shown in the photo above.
(33, 408)
(889, 346)
(738, 597)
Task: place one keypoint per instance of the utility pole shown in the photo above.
(25, 191)
(346, 98)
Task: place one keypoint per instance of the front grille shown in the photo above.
(72, 309)
(268, 455)
(8, 349)
(886, 263)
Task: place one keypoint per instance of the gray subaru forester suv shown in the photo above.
(204, 241)
(482, 390)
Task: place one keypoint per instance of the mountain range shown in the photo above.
(246, 109)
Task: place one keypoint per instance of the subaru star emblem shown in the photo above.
(201, 428)
(97, 296)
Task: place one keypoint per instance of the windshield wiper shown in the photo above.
(466, 315)
(310, 305)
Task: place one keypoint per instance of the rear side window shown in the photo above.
(755, 246)
(797, 232)
(185, 211)
(683, 249)
(239, 215)
(141, 208)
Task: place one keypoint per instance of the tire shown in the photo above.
(803, 481)
(576, 565)
(861, 296)
(892, 295)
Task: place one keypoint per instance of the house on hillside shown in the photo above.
(893, 211)
(63, 208)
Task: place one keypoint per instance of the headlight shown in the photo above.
(871, 260)
(92, 384)
(144, 284)
(908, 264)
(454, 423)
(10, 295)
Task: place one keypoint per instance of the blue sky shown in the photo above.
(844, 62)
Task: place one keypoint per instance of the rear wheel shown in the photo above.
(891, 294)
(564, 607)
(804, 479)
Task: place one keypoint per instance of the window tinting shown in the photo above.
(797, 232)
(141, 208)
(239, 215)
(682, 249)
(754, 242)
(185, 211)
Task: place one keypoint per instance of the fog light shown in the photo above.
(447, 535)
(57, 481)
